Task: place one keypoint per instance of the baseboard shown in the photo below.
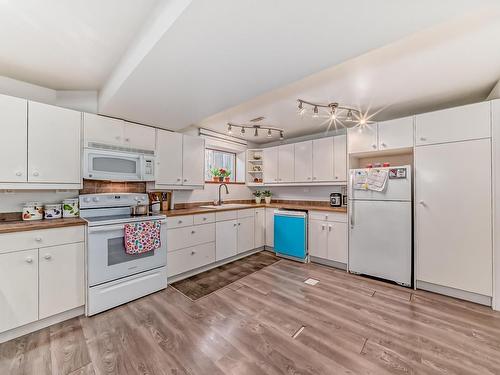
(456, 293)
(328, 262)
(39, 324)
(185, 275)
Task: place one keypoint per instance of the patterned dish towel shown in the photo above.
(142, 237)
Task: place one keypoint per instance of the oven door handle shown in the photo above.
(109, 228)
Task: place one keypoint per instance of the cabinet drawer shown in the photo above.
(226, 215)
(328, 216)
(179, 238)
(180, 221)
(41, 238)
(204, 218)
(190, 258)
(249, 212)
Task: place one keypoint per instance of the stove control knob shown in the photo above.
(87, 200)
(95, 199)
(137, 198)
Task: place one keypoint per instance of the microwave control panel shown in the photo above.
(149, 166)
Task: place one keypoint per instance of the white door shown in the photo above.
(54, 144)
(18, 289)
(362, 139)
(285, 163)
(260, 227)
(62, 286)
(270, 165)
(454, 124)
(337, 242)
(323, 159)
(193, 160)
(453, 215)
(340, 158)
(101, 129)
(270, 227)
(226, 239)
(246, 234)
(13, 139)
(168, 158)
(380, 239)
(318, 239)
(139, 136)
(394, 134)
(303, 161)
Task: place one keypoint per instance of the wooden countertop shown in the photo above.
(296, 206)
(22, 226)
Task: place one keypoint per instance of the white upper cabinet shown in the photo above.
(303, 161)
(193, 160)
(270, 165)
(13, 139)
(54, 144)
(139, 136)
(454, 124)
(169, 158)
(101, 129)
(362, 139)
(286, 163)
(323, 159)
(340, 158)
(394, 134)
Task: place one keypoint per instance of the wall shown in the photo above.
(302, 193)
(14, 201)
(210, 193)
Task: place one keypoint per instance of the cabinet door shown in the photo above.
(453, 215)
(62, 285)
(13, 139)
(54, 144)
(260, 227)
(226, 239)
(246, 234)
(193, 160)
(340, 158)
(454, 124)
(168, 158)
(303, 161)
(270, 165)
(101, 129)
(362, 139)
(285, 163)
(318, 239)
(323, 157)
(18, 289)
(270, 227)
(337, 242)
(395, 134)
(139, 136)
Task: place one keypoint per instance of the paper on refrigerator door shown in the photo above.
(360, 180)
(377, 179)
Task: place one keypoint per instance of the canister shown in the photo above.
(70, 207)
(52, 211)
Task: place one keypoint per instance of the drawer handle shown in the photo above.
(193, 252)
(47, 257)
(38, 239)
(29, 260)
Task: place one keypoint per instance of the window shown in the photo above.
(219, 159)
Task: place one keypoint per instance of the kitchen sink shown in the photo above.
(228, 205)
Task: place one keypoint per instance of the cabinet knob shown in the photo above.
(329, 228)
(234, 225)
(29, 260)
(35, 173)
(178, 179)
(19, 173)
(193, 232)
(423, 138)
(38, 239)
(422, 203)
(314, 178)
(47, 257)
(185, 180)
(179, 222)
(336, 177)
(204, 218)
(239, 224)
(383, 145)
(323, 227)
(127, 139)
(117, 138)
(374, 146)
(193, 252)
(308, 178)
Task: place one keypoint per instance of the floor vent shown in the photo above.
(299, 331)
(311, 281)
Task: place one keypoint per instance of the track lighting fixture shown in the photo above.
(242, 130)
(256, 133)
(301, 110)
(349, 115)
(269, 129)
(334, 112)
(281, 135)
(229, 129)
(269, 134)
(316, 112)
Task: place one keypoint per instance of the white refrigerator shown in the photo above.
(380, 227)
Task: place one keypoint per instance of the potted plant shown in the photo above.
(215, 174)
(257, 194)
(222, 174)
(226, 174)
(267, 196)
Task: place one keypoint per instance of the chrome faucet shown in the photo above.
(219, 202)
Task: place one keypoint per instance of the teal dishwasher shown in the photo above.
(290, 234)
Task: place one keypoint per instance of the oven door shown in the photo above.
(112, 165)
(107, 259)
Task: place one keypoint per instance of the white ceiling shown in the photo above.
(67, 44)
(221, 53)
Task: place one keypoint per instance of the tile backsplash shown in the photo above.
(95, 187)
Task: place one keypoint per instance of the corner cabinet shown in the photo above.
(180, 161)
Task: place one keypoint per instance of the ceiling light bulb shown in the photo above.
(269, 134)
(242, 130)
(229, 129)
(282, 135)
(349, 115)
(315, 112)
(256, 133)
(301, 110)
(333, 114)
(362, 121)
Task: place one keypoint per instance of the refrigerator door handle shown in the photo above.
(351, 201)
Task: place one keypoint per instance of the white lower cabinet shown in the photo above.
(184, 260)
(260, 227)
(226, 239)
(328, 236)
(246, 234)
(36, 283)
(318, 239)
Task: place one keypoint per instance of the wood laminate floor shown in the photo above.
(353, 325)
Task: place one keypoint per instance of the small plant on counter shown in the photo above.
(258, 196)
(216, 176)
(267, 196)
(226, 173)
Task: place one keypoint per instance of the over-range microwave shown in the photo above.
(113, 165)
